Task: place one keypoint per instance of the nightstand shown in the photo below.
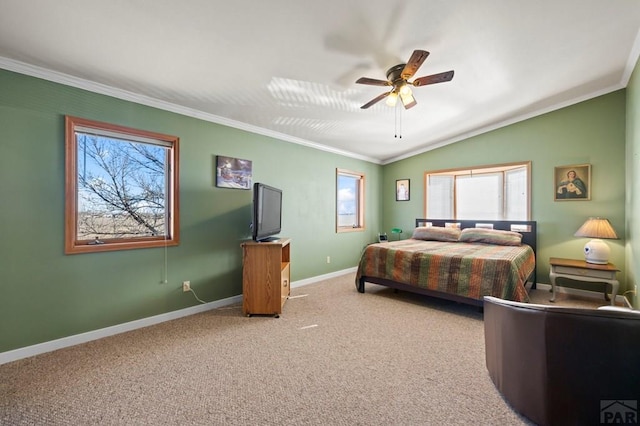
(580, 270)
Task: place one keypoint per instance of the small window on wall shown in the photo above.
(121, 188)
(500, 192)
(349, 201)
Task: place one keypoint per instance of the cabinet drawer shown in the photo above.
(593, 273)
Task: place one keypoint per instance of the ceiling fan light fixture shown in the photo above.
(392, 99)
(405, 90)
(408, 100)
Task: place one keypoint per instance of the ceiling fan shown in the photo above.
(398, 78)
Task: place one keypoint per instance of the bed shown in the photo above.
(459, 260)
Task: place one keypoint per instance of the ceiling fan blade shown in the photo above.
(433, 79)
(408, 100)
(373, 81)
(375, 100)
(416, 60)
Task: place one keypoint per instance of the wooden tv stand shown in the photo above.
(266, 276)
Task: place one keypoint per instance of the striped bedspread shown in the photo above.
(467, 269)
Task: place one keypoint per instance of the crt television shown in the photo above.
(267, 212)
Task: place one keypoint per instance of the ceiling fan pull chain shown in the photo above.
(395, 121)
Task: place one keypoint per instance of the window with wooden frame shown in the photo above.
(497, 192)
(349, 201)
(121, 187)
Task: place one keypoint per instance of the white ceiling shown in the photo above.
(287, 68)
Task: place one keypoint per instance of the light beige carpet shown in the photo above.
(334, 357)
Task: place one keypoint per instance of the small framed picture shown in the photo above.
(572, 182)
(402, 190)
(233, 172)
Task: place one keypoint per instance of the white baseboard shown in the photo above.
(315, 279)
(582, 293)
(77, 339)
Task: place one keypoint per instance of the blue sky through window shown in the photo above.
(347, 200)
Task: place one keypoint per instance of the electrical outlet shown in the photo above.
(328, 259)
(186, 285)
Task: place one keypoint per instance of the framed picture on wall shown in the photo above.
(402, 190)
(233, 172)
(572, 182)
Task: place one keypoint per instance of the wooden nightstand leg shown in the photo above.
(615, 285)
(552, 278)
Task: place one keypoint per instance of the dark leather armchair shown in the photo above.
(564, 366)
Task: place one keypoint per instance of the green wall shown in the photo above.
(47, 295)
(589, 132)
(633, 184)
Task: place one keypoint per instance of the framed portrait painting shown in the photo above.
(402, 190)
(572, 182)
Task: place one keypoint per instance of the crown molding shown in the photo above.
(103, 89)
(505, 123)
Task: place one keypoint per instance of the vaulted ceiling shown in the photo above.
(288, 68)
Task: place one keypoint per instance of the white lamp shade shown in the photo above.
(596, 227)
(597, 251)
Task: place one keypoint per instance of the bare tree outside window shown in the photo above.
(121, 191)
(121, 187)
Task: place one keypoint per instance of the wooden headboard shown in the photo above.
(527, 228)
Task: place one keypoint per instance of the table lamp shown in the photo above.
(596, 251)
